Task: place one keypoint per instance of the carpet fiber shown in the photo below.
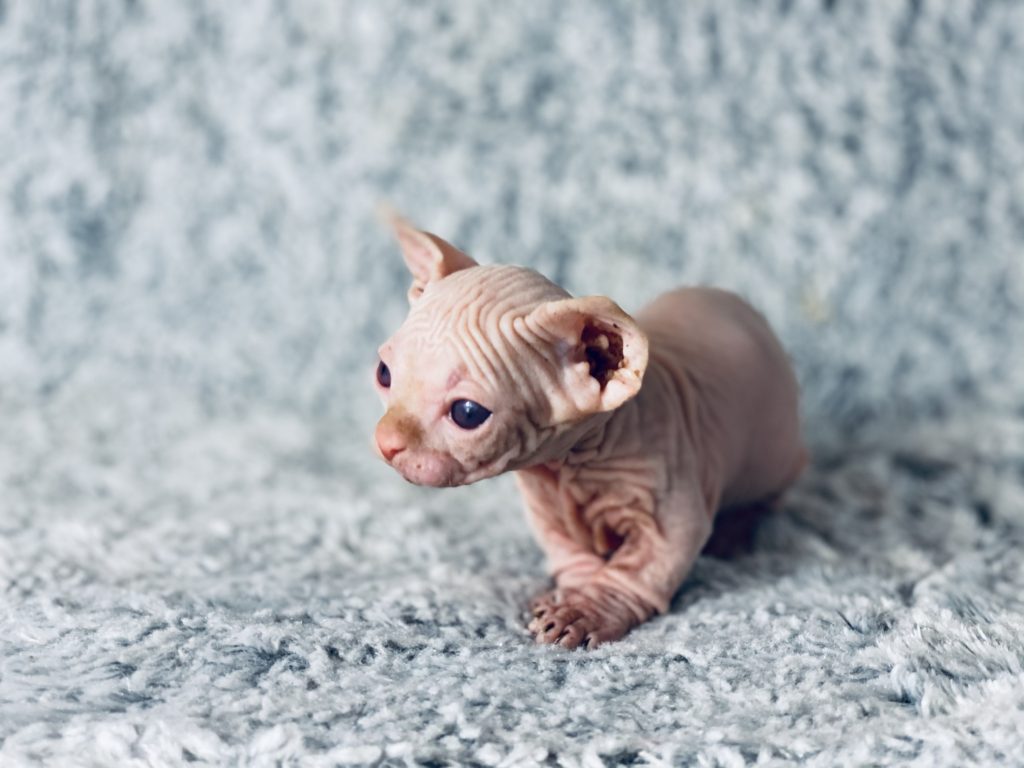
(202, 562)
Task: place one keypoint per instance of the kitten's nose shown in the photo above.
(390, 441)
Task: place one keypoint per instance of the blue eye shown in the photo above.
(383, 375)
(469, 415)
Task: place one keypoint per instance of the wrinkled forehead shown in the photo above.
(438, 349)
(460, 324)
(491, 290)
(422, 343)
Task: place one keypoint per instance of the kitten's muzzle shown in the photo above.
(425, 468)
(396, 432)
(399, 443)
(389, 448)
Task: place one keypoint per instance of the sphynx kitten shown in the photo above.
(496, 368)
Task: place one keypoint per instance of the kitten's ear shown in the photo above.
(601, 351)
(428, 257)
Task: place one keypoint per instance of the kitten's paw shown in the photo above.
(542, 604)
(571, 619)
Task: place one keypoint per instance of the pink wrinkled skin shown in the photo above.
(626, 434)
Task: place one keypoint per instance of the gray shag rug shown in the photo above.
(200, 560)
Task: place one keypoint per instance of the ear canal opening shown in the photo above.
(603, 349)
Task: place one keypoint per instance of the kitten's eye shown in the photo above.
(383, 375)
(469, 415)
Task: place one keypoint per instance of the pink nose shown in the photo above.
(390, 442)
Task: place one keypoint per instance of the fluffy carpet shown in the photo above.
(200, 560)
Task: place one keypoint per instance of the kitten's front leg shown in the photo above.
(571, 564)
(638, 579)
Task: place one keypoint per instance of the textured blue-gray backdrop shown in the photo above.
(193, 283)
(188, 189)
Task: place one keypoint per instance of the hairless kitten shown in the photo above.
(497, 368)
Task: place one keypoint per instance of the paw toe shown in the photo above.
(604, 634)
(542, 604)
(556, 624)
(573, 635)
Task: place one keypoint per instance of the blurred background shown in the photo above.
(199, 553)
(186, 218)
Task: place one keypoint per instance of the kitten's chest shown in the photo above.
(594, 505)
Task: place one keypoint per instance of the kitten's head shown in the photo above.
(493, 364)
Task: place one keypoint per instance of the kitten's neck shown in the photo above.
(592, 439)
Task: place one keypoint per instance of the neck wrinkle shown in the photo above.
(593, 438)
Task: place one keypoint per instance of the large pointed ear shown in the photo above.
(428, 257)
(600, 349)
